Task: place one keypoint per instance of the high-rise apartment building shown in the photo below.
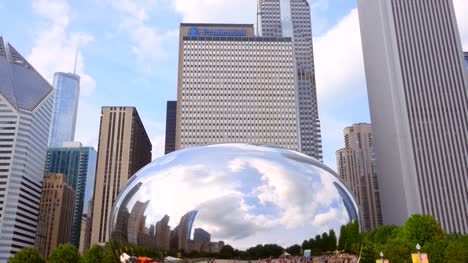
(26, 101)
(291, 18)
(356, 166)
(124, 148)
(418, 99)
(235, 87)
(78, 164)
(171, 118)
(55, 214)
(67, 94)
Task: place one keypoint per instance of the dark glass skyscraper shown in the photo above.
(171, 118)
(67, 93)
(78, 164)
(291, 18)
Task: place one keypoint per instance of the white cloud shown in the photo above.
(55, 48)
(158, 143)
(217, 11)
(88, 123)
(147, 41)
(461, 9)
(339, 61)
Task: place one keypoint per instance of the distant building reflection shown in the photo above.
(130, 228)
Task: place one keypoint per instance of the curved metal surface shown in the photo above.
(200, 198)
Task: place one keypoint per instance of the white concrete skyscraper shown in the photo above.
(67, 93)
(235, 87)
(291, 18)
(26, 101)
(418, 102)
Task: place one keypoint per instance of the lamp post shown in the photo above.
(381, 256)
(418, 248)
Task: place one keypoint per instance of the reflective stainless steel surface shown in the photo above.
(240, 194)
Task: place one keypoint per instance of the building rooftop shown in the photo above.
(20, 83)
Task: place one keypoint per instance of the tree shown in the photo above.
(94, 255)
(30, 255)
(294, 250)
(457, 250)
(382, 234)
(421, 229)
(332, 240)
(64, 254)
(227, 252)
(395, 251)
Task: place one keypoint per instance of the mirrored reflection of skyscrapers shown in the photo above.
(163, 234)
(26, 103)
(291, 18)
(67, 93)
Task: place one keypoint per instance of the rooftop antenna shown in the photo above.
(76, 58)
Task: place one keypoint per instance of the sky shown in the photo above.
(128, 52)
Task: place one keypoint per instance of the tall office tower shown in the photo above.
(124, 148)
(67, 93)
(235, 87)
(26, 101)
(55, 215)
(356, 166)
(418, 99)
(85, 236)
(291, 18)
(78, 164)
(171, 113)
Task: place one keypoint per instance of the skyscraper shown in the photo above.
(418, 99)
(356, 166)
(466, 61)
(235, 87)
(78, 164)
(55, 215)
(171, 118)
(291, 18)
(67, 93)
(124, 148)
(26, 101)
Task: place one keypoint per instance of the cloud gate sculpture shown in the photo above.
(202, 198)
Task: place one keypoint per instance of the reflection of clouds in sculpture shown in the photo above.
(225, 217)
(244, 194)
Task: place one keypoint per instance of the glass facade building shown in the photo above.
(67, 93)
(26, 103)
(78, 164)
(291, 18)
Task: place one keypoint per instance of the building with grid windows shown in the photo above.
(291, 18)
(235, 87)
(124, 148)
(418, 97)
(78, 164)
(54, 226)
(67, 93)
(356, 166)
(26, 101)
